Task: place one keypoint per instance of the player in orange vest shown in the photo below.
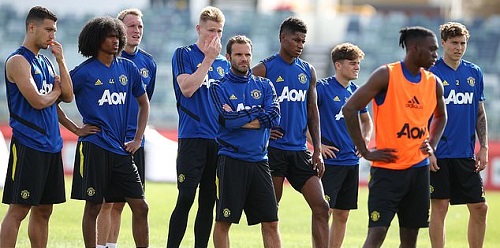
(404, 96)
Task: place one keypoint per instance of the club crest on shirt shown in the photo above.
(256, 94)
(302, 78)
(144, 72)
(220, 70)
(123, 79)
(471, 81)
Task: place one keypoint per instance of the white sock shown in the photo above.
(100, 246)
(111, 245)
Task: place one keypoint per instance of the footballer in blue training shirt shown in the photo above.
(295, 82)
(247, 108)
(105, 86)
(108, 221)
(341, 178)
(194, 68)
(456, 179)
(35, 177)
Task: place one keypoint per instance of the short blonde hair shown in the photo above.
(453, 29)
(132, 11)
(211, 13)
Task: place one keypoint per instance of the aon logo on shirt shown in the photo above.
(459, 98)
(412, 132)
(208, 81)
(292, 95)
(115, 98)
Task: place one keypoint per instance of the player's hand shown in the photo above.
(212, 48)
(132, 146)
(227, 108)
(481, 159)
(57, 85)
(87, 129)
(276, 133)
(433, 166)
(328, 151)
(57, 50)
(426, 148)
(386, 155)
(318, 164)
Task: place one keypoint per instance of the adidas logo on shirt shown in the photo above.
(414, 103)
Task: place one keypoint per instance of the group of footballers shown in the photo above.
(243, 130)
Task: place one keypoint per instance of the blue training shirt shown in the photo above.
(463, 90)
(147, 68)
(250, 98)
(291, 82)
(197, 118)
(104, 96)
(36, 129)
(332, 96)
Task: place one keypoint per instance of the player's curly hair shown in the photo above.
(453, 29)
(94, 33)
(412, 34)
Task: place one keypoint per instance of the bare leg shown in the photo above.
(221, 234)
(90, 213)
(337, 230)
(437, 227)
(313, 193)
(376, 236)
(477, 224)
(408, 237)
(271, 234)
(116, 218)
(104, 223)
(278, 187)
(10, 224)
(140, 226)
(38, 227)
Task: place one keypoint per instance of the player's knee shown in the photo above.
(269, 227)
(340, 216)
(43, 212)
(439, 206)
(141, 209)
(92, 209)
(321, 208)
(479, 209)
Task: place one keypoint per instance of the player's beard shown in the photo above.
(240, 70)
